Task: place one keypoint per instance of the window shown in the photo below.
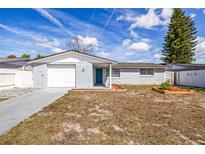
(115, 72)
(146, 71)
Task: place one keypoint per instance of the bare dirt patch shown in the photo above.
(2, 99)
(137, 116)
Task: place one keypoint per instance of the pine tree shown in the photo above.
(180, 40)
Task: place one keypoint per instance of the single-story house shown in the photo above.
(189, 74)
(80, 70)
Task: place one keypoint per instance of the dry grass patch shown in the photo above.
(138, 116)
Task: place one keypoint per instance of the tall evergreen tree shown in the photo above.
(180, 40)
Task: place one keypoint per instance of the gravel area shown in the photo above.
(15, 92)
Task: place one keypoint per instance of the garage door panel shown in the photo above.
(61, 76)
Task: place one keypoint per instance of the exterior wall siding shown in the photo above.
(85, 72)
(132, 76)
(40, 73)
(195, 78)
(84, 75)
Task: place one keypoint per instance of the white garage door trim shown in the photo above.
(61, 76)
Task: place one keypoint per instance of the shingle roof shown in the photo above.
(193, 66)
(5, 65)
(12, 59)
(138, 65)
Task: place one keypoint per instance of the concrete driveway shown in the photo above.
(15, 110)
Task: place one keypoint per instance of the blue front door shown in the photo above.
(98, 75)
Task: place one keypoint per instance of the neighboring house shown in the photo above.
(80, 70)
(189, 74)
(10, 72)
(18, 62)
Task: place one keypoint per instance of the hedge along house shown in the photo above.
(79, 70)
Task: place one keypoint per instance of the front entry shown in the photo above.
(99, 76)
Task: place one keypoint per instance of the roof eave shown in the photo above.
(66, 52)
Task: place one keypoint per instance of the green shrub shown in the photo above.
(165, 86)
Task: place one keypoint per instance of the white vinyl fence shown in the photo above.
(195, 78)
(169, 76)
(10, 78)
(7, 80)
(23, 79)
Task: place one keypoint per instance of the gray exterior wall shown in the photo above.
(40, 72)
(132, 76)
(84, 75)
(194, 78)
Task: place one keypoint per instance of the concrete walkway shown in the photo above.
(15, 110)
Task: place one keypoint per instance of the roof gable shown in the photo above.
(61, 57)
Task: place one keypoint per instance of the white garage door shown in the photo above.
(61, 76)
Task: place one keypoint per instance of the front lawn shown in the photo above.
(138, 116)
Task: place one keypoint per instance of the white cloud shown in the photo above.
(148, 21)
(157, 55)
(52, 44)
(140, 46)
(126, 42)
(129, 53)
(46, 43)
(145, 40)
(89, 40)
(133, 34)
(127, 17)
(56, 50)
(193, 15)
(103, 54)
(48, 16)
(166, 15)
(9, 29)
(109, 18)
(200, 50)
(35, 38)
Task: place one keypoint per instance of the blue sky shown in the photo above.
(128, 35)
